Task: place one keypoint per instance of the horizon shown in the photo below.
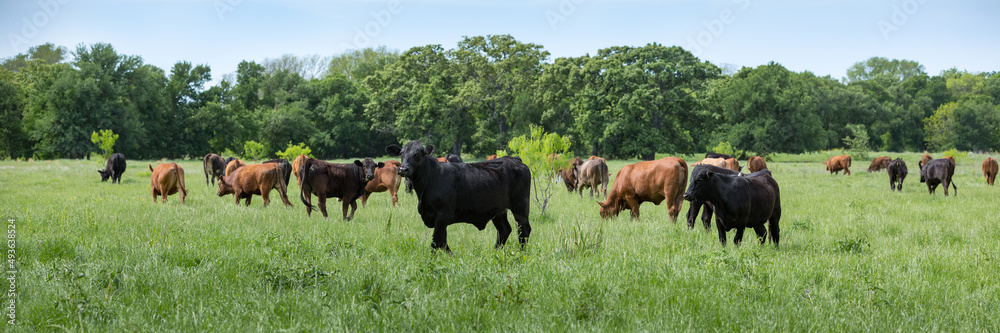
(822, 37)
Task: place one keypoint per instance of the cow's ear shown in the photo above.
(393, 150)
(358, 163)
(602, 204)
(429, 150)
(379, 165)
(709, 174)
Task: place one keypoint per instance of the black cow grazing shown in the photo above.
(696, 205)
(740, 202)
(115, 169)
(718, 155)
(474, 193)
(897, 172)
(936, 172)
(344, 181)
(286, 168)
(214, 167)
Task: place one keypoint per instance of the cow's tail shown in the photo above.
(306, 188)
(204, 165)
(849, 161)
(954, 187)
(282, 186)
(150, 168)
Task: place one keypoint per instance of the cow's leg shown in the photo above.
(706, 215)
(739, 236)
(322, 204)
(634, 207)
(520, 210)
(761, 232)
(364, 199)
(946, 184)
(722, 230)
(354, 207)
(249, 196)
(692, 213)
(395, 198)
(503, 229)
(266, 194)
(772, 227)
(154, 195)
(439, 240)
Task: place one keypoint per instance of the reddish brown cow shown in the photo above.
(233, 165)
(296, 164)
(837, 163)
(344, 181)
(386, 179)
(491, 157)
(653, 181)
(952, 159)
(257, 179)
(569, 174)
(879, 163)
(167, 179)
(990, 170)
(733, 164)
(756, 163)
(925, 159)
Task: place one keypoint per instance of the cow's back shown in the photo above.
(479, 191)
(648, 180)
(756, 163)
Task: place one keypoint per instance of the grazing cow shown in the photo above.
(653, 181)
(595, 157)
(740, 202)
(386, 179)
(733, 164)
(990, 170)
(491, 157)
(286, 168)
(256, 179)
(116, 168)
(837, 163)
(879, 163)
(474, 193)
(569, 174)
(718, 155)
(719, 162)
(936, 172)
(296, 164)
(214, 167)
(591, 174)
(233, 165)
(695, 205)
(167, 179)
(897, 173)
(756, 163)
(925, 159)
(344, 181)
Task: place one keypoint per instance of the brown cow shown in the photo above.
(167, 179)
(591, 174)
(879, 163)
(733, 164)
(952, 159)
(344, 181)
(756, 163)
(569, 174)
(719, 162)
(215, 167)
(837, 163)
(233, 165)
(491, 157)
(653, 181)
(990, 170)
(296, 164)
(386, 179)
(926, 158)
(256, 179)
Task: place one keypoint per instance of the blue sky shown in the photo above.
(824, 37)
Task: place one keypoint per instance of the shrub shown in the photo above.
(253, 150)
(292, 152)
(106, 141)
(536, 151)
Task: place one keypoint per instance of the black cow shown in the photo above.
(229, 159)
(214, 167)
(740, 202)
(115, 169)
(897, 172)
(286, 168)
(344, 181)
(474, 193)
(696, 205)
(452, 158)
(718, 155)
(936, 172)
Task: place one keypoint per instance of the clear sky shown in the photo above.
(821, 36)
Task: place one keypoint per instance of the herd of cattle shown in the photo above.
(450, 191)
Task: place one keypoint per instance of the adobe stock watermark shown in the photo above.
(900, 15)
(380, 20)
(714, 28)
(565, 9)
(48, 10)
(223, 7)
(10, 306)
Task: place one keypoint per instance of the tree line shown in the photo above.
(621, 102)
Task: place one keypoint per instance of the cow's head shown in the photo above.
(223, 187)
(105, 174)
(368, 167)
(413, 155)
(699, 186)
(612, 207)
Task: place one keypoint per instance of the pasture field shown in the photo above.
(854, 256)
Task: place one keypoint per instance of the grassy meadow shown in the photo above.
(854, 256)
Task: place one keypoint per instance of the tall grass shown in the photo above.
(854, 256)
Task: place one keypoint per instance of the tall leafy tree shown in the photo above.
(883, 70)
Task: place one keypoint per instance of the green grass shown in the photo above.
(854, 256)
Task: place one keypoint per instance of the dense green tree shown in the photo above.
(357, 65)
(13, 141)
(884, 71)
(46, 53)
